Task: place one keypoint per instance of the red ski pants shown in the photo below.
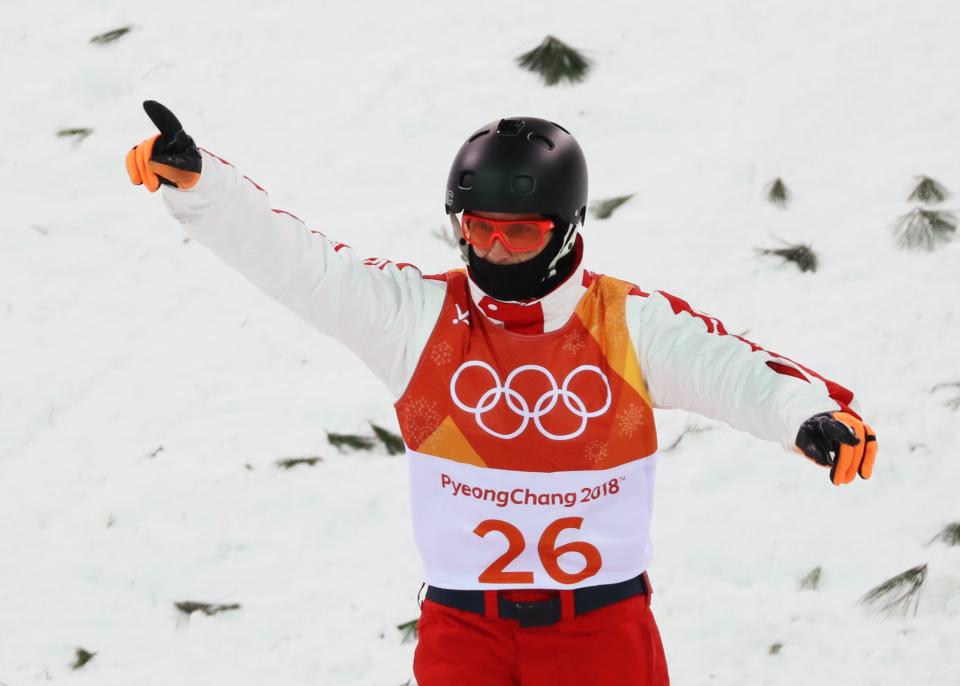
(616, 645)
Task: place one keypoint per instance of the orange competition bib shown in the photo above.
(532, 457)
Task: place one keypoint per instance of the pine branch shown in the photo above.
(555, 61)
(352, 441)
(391, 441)
(290, 462)
(777, 193)
(83, 657)
(928, 191)
(950, 535)
(811, 582)
(408, 631)
(925, 229)
(79, 133)
(801, 255)
(900, 593)
(602, 209)
(110, 36)
(209, 609)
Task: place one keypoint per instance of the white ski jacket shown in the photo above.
(385, 313)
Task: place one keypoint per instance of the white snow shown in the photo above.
(118, 337)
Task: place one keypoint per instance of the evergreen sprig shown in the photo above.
(777, 193)
(209, 609)
(602, 209)
(801, 255)
(928, 191)
(79, 133)
(925, 229)
(391, 441)
(352, 441)
(950, 535)
(408, 631)
(290, 462)
(811, 582)
(555, 61)
(83, 657)
(110, 36)
(898, 594)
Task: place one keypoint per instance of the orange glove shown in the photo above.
(840, 441)
(169, 158)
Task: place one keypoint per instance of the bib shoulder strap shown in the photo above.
(613, 286)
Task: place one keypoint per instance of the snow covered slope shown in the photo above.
(146, 391)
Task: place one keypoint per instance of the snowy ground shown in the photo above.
(118, 337)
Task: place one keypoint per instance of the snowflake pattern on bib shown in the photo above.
(569, 399)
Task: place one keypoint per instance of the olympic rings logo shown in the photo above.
(519, 405)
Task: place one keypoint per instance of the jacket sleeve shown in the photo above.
(384, 312)
(691, 362)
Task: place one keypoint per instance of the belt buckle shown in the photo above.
(531, 614)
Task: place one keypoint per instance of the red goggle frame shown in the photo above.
(516, 235)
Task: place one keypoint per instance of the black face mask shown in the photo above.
(524, 280)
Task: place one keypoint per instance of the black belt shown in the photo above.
(542, 612)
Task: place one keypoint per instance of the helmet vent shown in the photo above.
(542, 141)
(522, 185)
(510, 127)
(466, 180)
(477, 135)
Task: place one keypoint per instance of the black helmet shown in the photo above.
(522, 165)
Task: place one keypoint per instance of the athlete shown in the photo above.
(525, 387)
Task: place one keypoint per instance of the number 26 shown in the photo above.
(547, 548)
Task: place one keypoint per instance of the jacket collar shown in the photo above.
(540, 315)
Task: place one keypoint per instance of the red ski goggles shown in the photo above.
(516, 235)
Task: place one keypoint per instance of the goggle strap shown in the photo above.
(569, 240)
(458, 237)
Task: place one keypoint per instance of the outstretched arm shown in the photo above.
(691, 362)
(382, 311)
